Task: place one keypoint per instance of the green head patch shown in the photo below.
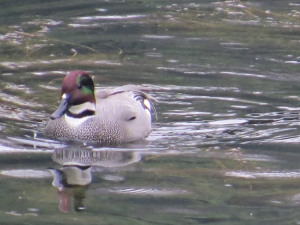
(85, 84)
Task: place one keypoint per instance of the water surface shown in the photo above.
(224, 148)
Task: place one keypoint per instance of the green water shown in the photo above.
(225, 146)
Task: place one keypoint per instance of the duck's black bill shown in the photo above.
(61, 110)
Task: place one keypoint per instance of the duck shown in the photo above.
(109, 115)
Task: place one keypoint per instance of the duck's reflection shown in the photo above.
(71, 182)
(74, 178)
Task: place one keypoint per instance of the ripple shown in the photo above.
(289, 108)
(284, 139)
(154, 55)
(232, 44)
(242, 22)
(231, 99)
(111, 17)
(224, 114)
(175, 102)
(229, 122)
(38, 143)
(79, 25)
(258, 134)
(7, 150)
(162, 37)
(240, 106)
(26, 173)
(14, 213)
(43, 73)
(183, 113)
(254, 175)
(103, 62)
(20, 87)
(243, 74)
(190, 88)
(18, 101)
(189, 123)
(292, 62)
(101, 10)
(148, 191)
(26, 64)
(49, 87)
(48, 22)
(114, 178)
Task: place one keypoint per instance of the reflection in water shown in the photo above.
(103, 158)
(75, 177)
(71, 181)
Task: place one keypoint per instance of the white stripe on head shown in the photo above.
(64, 96)
(77, 109)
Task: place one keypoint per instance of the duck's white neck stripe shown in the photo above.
(76, 121)
(77, 109)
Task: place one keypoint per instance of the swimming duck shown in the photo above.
(108, 116)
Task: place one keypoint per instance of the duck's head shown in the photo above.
(77, 95)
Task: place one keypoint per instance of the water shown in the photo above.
(224, 148)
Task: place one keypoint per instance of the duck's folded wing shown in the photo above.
(124, 104)
(128, 111)
(128, 100)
